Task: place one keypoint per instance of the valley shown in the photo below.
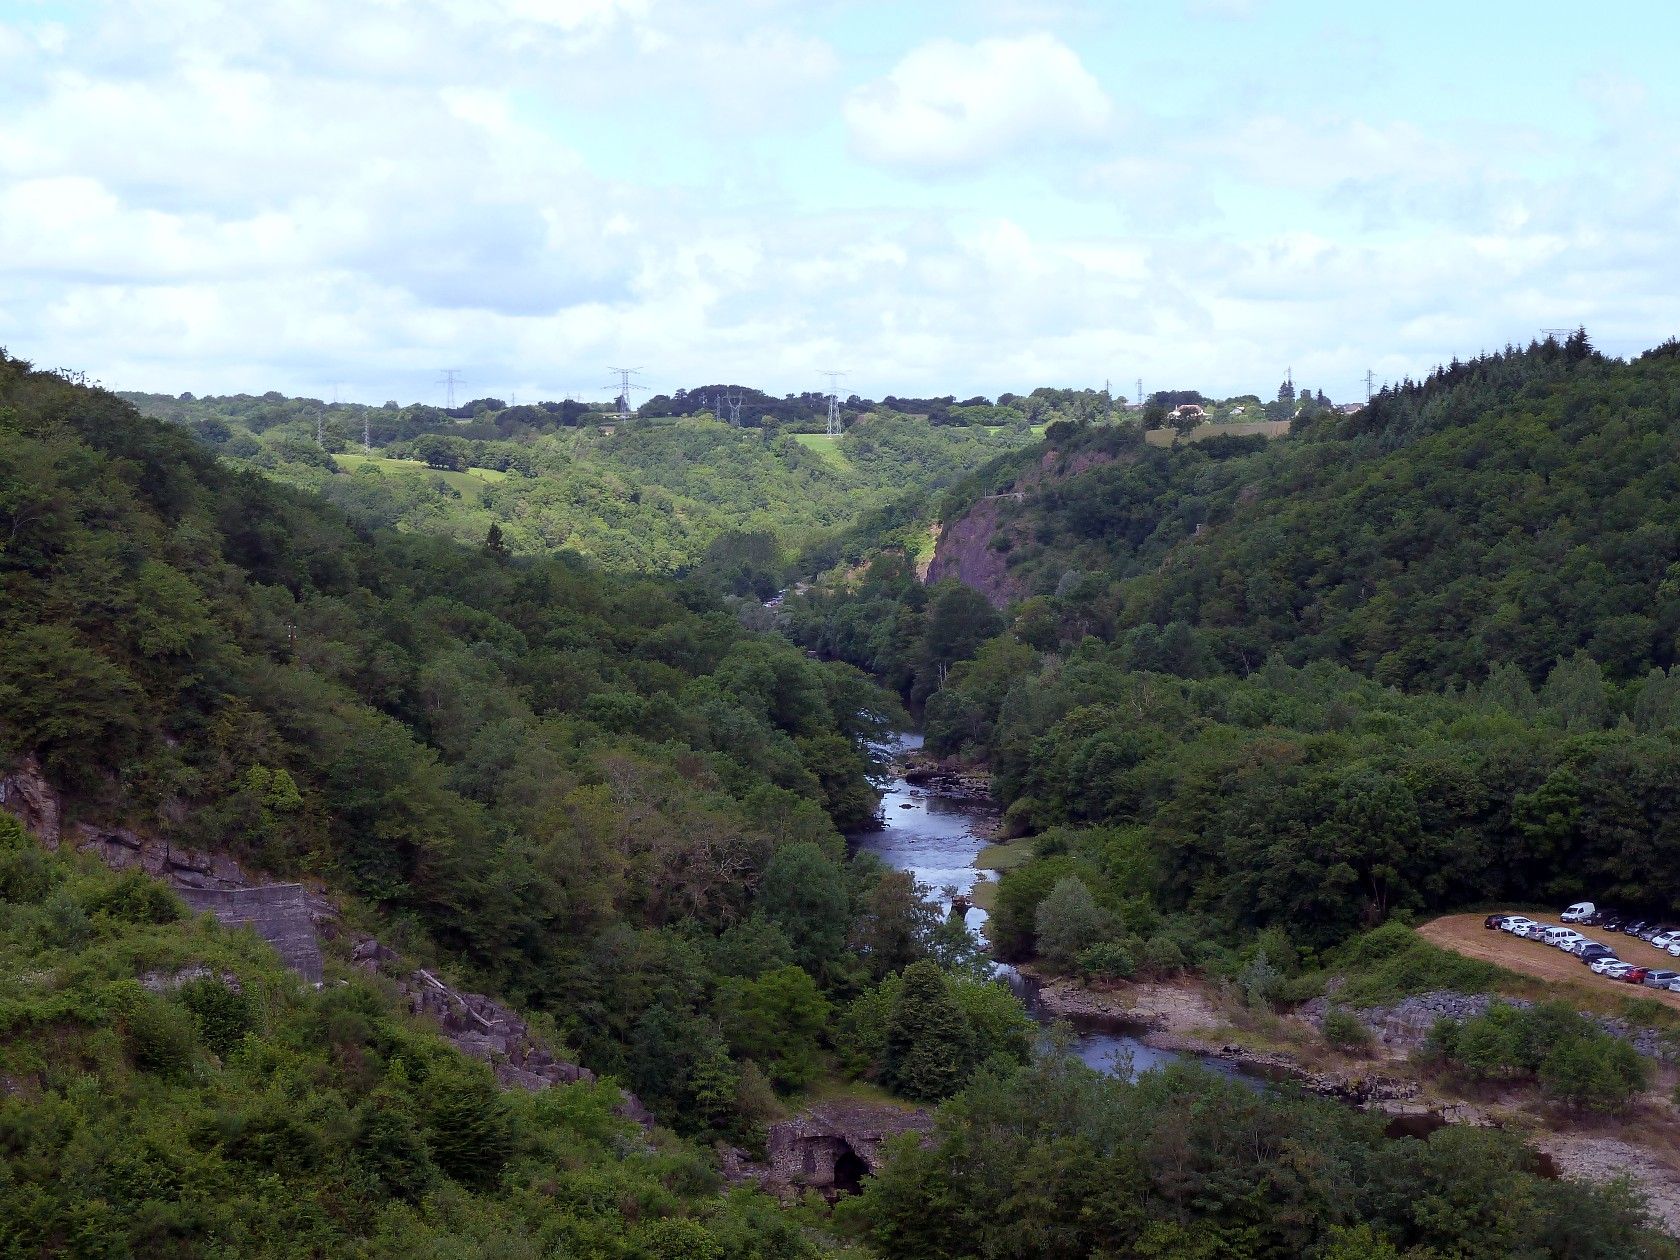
(582, 827)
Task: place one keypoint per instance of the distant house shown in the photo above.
(1189, 411)
(1348, 409)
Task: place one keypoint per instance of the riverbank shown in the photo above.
(938, 824)
(1190, 1017)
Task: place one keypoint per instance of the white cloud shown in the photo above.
(949, 106)
(280, 196)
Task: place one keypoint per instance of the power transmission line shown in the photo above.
(1370, 381)
(834, 402)
(1140, 391)
(625, 385)
(449, 379)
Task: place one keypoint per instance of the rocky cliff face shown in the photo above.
(964, 548)
(965, 552)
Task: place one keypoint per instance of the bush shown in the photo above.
(1343, 1030)
(1163, 957)
(1109, 960)
(223, 1015)
(1069, 921)
(159, 1035)
(1393, 961)
(134, 897)
(1598, 1072)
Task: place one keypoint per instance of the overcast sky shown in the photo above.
(960, 197)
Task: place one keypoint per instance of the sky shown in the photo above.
(346, 197)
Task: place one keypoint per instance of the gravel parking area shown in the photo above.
(1464, 934)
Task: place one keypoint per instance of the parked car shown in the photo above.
(1495, 921)
(1674, 950)
(1558, 936)
(1580, 912)
(1605, 966)
(1662, 940)
(1674, 986)
(1534, 931)
(1631, 927)
(1578, 944)
(1593, 951)
(1659, 977)
(1515, 924)
(1633, 975)
(1609, 922)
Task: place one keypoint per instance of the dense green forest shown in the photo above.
(654, 494)
(1511, 509)
(599, 796)
(1412, 659)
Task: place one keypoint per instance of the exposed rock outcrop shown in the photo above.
(1406, 1024)
(945, 778)
(965, 552)
(27, 796)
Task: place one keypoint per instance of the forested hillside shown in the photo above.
(650, 495)
(1509, 509)
(1412, 659)
(167, 1090)
(598, 796)
(603, 798)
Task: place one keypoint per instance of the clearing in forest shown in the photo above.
(473, 479)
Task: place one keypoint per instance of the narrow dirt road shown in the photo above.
(1464, 934)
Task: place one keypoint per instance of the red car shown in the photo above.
(1633, 975)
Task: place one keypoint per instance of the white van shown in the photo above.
(1580, 912)
(1557, 936)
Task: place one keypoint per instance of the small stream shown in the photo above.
(936, 837)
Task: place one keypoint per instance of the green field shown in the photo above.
(1003, 857)
(462, 482)
(827, 447)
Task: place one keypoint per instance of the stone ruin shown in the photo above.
(282, 914)
(830, 1148)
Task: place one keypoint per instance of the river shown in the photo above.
(936, 838)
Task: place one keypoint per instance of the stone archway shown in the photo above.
(849, 1171)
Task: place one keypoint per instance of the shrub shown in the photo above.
(1343, 1030)
(1597, 1072)
(1069, 921)
(1163, 957)
(223, 1016)
(159, 1035)
(135, 897)
(1109, 960)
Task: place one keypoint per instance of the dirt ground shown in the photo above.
(1464, 934)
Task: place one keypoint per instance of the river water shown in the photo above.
(936, 837)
